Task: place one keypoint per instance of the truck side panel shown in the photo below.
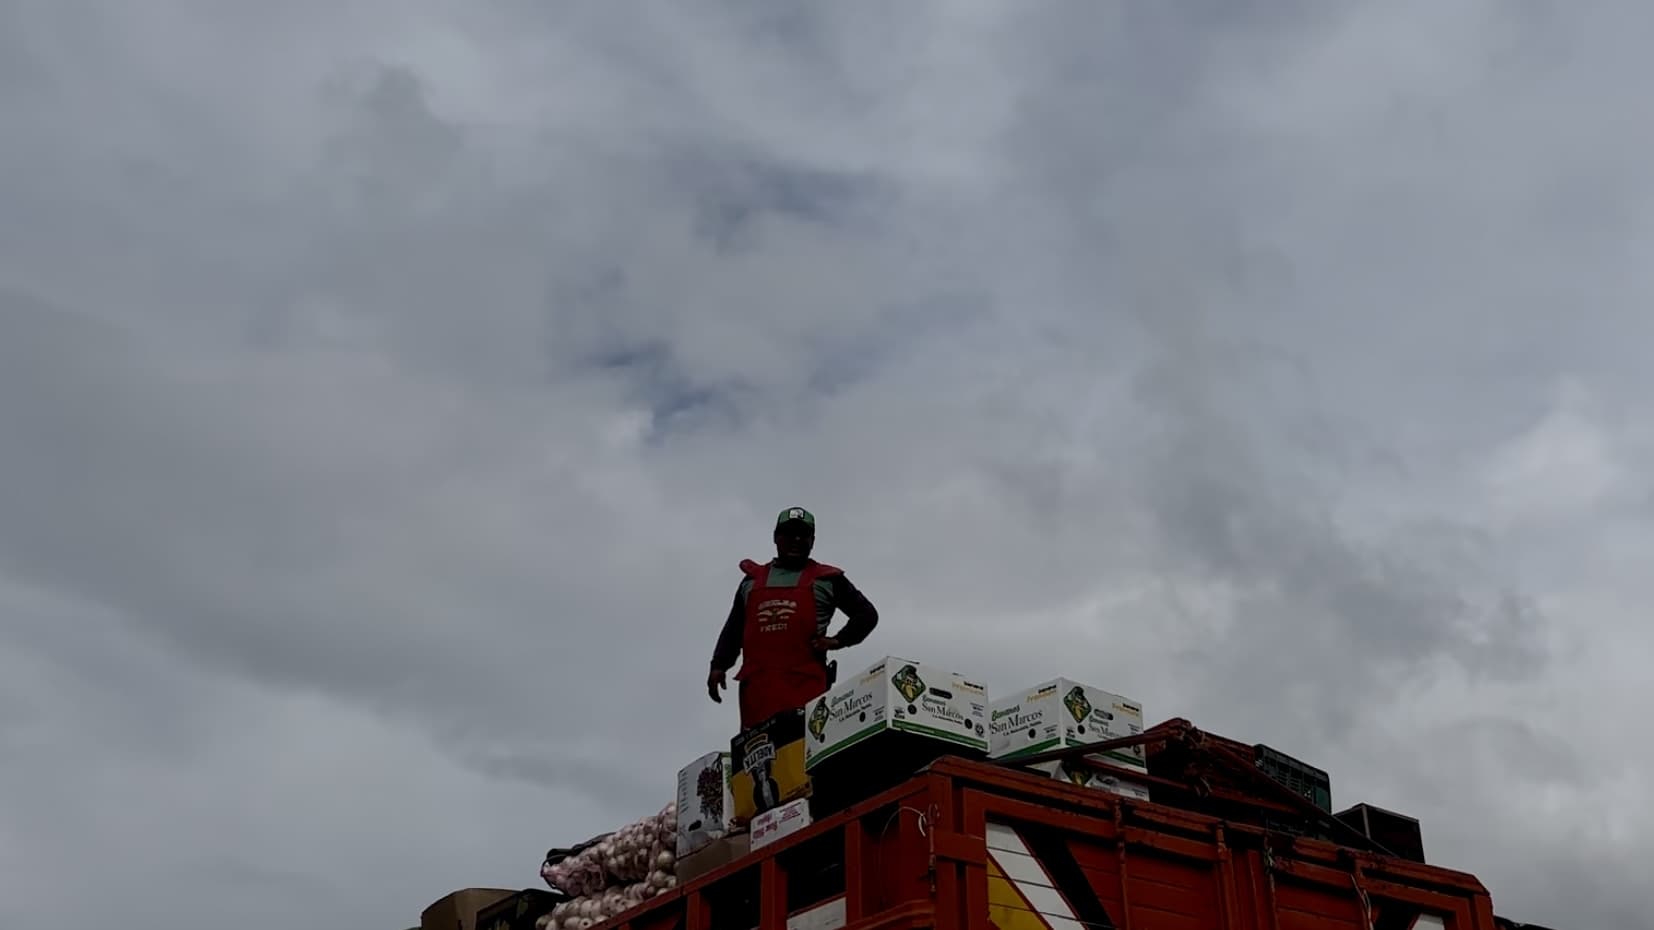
(1072, 882)
(1052, 867)
(968, 846)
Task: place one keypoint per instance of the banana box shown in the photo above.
(767, 766)
(1064, 713)
(1089, 778)
(939, 707)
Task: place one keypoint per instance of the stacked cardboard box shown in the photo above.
(714, 855)
(1063, 713)
(705, 805)
(458, 911)
(521, 911)
(768, 766)
(707, 836)
(880, 726)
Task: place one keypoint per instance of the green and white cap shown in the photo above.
(798, 515)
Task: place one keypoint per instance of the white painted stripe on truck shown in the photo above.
(1008, 851)
(828, 915)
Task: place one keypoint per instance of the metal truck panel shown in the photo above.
(976, 846)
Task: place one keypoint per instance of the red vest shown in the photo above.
(779, 671)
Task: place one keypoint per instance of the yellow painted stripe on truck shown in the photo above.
(1007, 908)
(1020, 893)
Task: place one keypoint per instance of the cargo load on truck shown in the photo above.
(597, 879)
(908, 796)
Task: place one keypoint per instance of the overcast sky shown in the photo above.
(389, 388)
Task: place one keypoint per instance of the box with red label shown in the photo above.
(782, 821)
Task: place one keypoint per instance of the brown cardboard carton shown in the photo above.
(458, 911)
(705, 804)
(518, 911)
(767, 766)
(718, 853)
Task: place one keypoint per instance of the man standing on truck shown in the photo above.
(779, 621)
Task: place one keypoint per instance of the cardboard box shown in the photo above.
(714, 855)
(518, 911)
(1090, 778)
(785, 820)
(767, 766)
(900, 696)
(1065, 713)
(705, 802)
(458, 911)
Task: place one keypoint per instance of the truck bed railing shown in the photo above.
(954, 847)
(1206, 758)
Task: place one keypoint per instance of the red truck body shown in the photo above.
(970, 845)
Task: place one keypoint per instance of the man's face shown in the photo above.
(794, 540)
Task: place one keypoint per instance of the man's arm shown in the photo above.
(860, 616)
(728, 648)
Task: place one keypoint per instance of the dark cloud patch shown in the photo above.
(1317, 609)
(611, 783)
(391, 149)
(853, 351)
(736, 191)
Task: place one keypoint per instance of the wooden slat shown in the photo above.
(855, 874)
(972, 850)
(772, 895)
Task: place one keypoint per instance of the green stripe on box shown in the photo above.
(951, 736)
(1125, 759)
(1034, 749)
(968, 740)
(1118, 756)
(860, 736)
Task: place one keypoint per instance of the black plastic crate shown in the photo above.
(1303, 778)
(1293, 827)
(1398, 833)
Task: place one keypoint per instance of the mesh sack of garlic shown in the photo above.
(615, 874)
(583, 913)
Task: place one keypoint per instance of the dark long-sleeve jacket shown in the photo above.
(833, 593)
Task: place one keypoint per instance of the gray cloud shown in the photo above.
(389, 394)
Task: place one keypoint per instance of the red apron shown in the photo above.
(779, 671)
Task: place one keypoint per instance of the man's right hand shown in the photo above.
(714, 683)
